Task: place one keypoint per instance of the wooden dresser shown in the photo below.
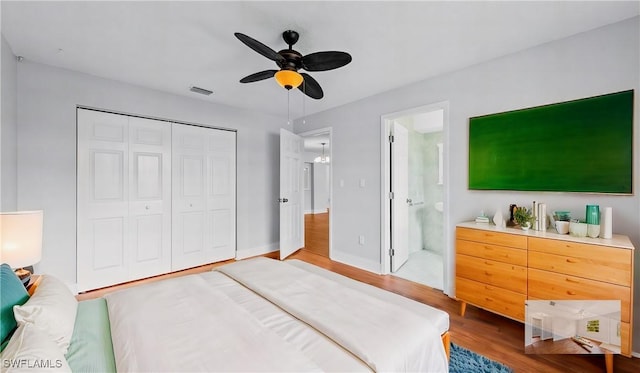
(498, 269)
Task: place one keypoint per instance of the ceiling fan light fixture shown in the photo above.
(288, 79)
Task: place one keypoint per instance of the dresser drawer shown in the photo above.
(553, 286)
(492, 298)
(494, 252)
(507, 276)
(590, 261)
(496, 238)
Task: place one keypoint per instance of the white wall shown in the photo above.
(601, 61)
(8, 130)
(47, 99)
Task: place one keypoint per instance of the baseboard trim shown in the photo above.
(255, 251)
(355, 261)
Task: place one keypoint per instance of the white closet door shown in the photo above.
(221, 195)
(204, 195)
(150, 197)
(189, 235)
(103, 199)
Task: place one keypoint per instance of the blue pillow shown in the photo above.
(12, 293)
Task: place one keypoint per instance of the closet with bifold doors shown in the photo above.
(153, 197)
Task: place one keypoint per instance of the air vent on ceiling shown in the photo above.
(202, 91)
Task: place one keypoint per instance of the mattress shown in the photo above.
(222, 321)
(440, 319)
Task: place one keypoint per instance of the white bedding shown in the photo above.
(209, 322)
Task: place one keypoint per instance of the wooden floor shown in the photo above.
(316, 233)
(496, 337)
(563, 346)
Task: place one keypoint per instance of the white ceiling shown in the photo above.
(172, 45)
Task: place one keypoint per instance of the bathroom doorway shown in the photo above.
(414, 194)
(317, 191)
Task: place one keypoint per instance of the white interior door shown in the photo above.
(103, 199)
(150, 197)
(400, 202)
(221, 194)
(189, 237)
(204, 196)
(291, 194)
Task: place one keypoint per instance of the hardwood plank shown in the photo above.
(316, 233)
(486, 333)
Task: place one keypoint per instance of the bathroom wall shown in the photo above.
(417, 170)
(433, 228)
(425, 222)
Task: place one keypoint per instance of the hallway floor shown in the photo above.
(316, 233)
(424, 267)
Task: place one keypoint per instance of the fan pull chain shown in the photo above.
(288, 108)
(304, 106)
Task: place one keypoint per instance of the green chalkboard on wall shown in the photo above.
(584, 145)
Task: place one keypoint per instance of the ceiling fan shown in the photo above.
(290, 61)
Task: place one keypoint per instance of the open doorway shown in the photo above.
(414, 194)
(317, 191)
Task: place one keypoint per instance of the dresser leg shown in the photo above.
(608, 361)
(463, 308)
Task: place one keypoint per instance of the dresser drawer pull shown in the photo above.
(488, 263)
(488, 299)
(488, 248)
(571, 292)
(487, 273)
(572, 281)
(571, 260)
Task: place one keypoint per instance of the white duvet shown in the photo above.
(272, 316)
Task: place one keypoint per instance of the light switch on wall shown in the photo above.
(361, 240)
(362, 183)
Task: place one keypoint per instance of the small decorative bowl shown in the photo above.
(578, 229)
(562, 226)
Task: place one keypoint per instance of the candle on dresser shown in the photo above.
(542, 216)
(607, 222)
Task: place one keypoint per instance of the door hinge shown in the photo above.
(392, 252)
(391, 138)
(391, 195)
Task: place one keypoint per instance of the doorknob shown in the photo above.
(283, 200)
(409, 201)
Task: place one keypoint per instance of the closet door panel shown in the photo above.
(109, 243)
(150, 197)
(102, 199)
(221, 197)
(189, 233)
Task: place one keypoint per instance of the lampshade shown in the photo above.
(288, 79)
(21, 238)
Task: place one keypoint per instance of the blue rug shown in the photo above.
(467, 361)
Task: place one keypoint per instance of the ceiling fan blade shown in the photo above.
(262, 75)
(259, 47)
(310, 87)
(322, 61)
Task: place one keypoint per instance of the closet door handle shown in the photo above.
(283, 200)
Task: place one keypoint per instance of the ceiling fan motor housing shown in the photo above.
(292, 60)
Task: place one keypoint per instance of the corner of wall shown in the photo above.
(9, 127)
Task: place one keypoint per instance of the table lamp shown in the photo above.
(21, 241)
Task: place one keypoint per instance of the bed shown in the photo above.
(252, 315)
